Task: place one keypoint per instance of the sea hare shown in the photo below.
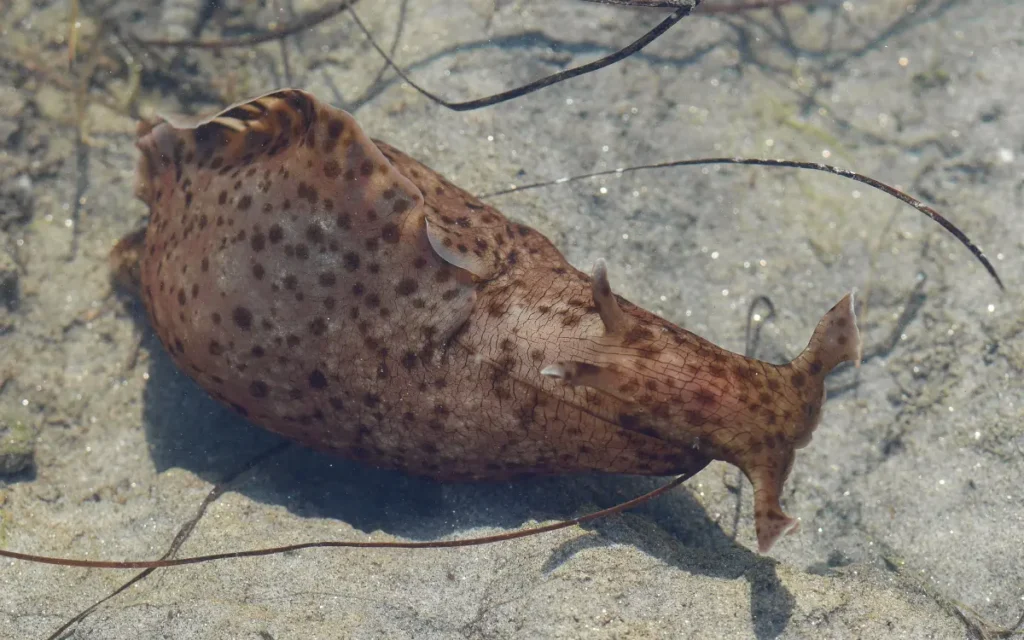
(334, 290)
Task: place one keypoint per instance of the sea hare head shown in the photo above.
(278, 232)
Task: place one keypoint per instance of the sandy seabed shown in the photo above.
(910, 494)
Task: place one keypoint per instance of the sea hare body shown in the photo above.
(336, 291)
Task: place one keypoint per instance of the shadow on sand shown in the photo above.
(188, 429)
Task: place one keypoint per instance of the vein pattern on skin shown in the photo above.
(334, 290)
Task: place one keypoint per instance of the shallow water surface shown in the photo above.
(910, 493)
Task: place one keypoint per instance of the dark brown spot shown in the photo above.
(389, 233)
(332, 169)
(318, 326)
(695, 418)
(631, 422)
(704, 397)
(258, 389)
(258, 271)
(637, 334)
(314, 234)
(244, 202)
(351, 261)
(317, 379)
(308, 192)
(327, 279)
(334, 129)
(242, 318)
(443, 274)
(276, 234)
(215, 348)
(406, 287)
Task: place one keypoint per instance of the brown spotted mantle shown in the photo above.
(334, 290)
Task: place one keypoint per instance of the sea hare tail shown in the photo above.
(836, 339)
(771, 523)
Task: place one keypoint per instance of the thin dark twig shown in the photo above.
(790, 164)
(708, 8)
(286, 66)
(438, 544)
(740, 7)
(183, 533)
(913, 306)
(754, 324)
(399, 27)
(303, 23)
(542, 39)
(646, 4)
(536, 85)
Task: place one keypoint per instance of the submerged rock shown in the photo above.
(17, 444)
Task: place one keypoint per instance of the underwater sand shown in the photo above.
(911, 494)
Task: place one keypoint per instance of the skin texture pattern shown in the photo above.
(332, 289)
